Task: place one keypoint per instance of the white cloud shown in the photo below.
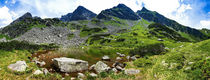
(205, 24)
(6, 16)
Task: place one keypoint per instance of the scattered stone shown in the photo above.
(92, 67)
(73, 78)
(66, 74)
(133, 58)
(81, 75)
(93, 75)
(106, 58)
(38, 72)
(128, 57)
(42, 63)
(119, 64)
(114, 70)
(187, 68)
(160, 39)
(45, 71)
(101, 67)
(190, 63)
(19, 66)
(132, 71)
(118, 59)
(119, 68)
(70, 64)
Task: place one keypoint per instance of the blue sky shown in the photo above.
(193, 13)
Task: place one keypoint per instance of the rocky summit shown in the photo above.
(121, 11)
(81, 13)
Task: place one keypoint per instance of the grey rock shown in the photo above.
(37, 72)
(93, 75)
(114, 70)
(132, 71)
(105, 58)
(92, 67)
(70, 64)
(81, 75)
(101, 67)
(19, 66)
(133, 58)
(118, 58)
(45, 71)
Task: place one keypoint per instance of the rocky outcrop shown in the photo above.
(70, 64)
(19, 66)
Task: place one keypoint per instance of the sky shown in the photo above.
(192, 13)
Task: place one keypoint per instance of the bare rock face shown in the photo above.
(70, 64)
(19, 66)
(101, 67)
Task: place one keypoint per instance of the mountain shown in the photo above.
(81, 13)
(25, 23)
(121, 11)
(158, 18)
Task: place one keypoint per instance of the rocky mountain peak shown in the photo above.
(121, 11)
(144, 9)
(81, 13)
(23, 17)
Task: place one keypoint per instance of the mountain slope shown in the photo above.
(25, 23)
(81, 13)
(121, 11)
(158, 18)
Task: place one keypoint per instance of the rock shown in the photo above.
(81, 75)
(187, 68)
(92, 67)
(106, 58)
(131, 71)
(42, 63)
(19, 66)
(93, 75)
(118, 58)
(66, 74)
(119, 64)
(190, 63)
(37, 72)
(128, 57)
(160, 39)
(73, 78)
(114, 70)
(119, 68)
(101, 67)
(70, 64)
(45, 71)
(121, 55)
(133, 58)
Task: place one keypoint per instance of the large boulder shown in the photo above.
(70, 64)
(101, 67)
(19, 66)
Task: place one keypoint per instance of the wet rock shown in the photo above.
(37, 72)
(132, 71)
(70, 64)
(19, 66)
(106, 58)
(101, 67)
